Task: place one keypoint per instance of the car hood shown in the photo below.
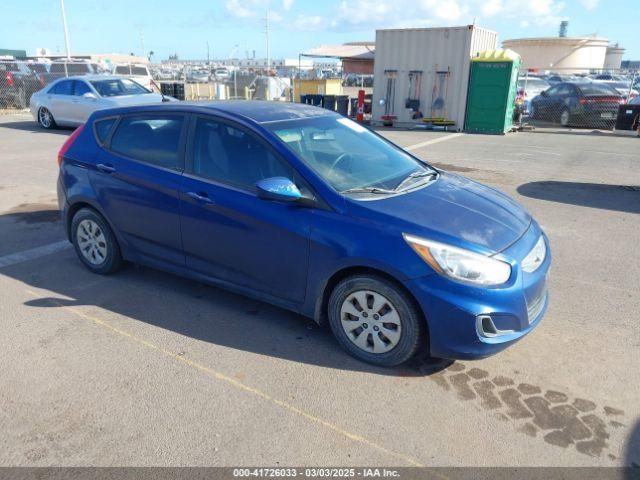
(143, 99)
(454, 210)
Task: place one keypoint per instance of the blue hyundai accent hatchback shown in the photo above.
(308, 210)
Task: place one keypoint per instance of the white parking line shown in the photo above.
(33, 253)
(431, 142)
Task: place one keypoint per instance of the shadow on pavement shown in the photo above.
(195, 310)
(32, 126)
(619, 198)
(632, 453)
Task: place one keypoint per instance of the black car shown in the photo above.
(579, 104)
(17, 83)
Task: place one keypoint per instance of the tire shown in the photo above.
(565, 118)
(95, 243)
(405, 333)
(43, 115)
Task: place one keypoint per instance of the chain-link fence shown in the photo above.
(576, 98)
(20, 79)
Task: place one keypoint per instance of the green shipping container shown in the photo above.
(493, 86)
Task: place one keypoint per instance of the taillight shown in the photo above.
(41, 80)
(67, 145)
(9, 78)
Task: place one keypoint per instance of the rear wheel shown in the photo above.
(45, 118)
(375, 320)
(94, 242)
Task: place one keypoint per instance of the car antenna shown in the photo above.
(160, 89)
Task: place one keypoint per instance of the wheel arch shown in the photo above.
(78, 205)
(322, 302)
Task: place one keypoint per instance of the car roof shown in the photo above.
(259, 111)
(95, 77)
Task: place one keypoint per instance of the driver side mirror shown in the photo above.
(544, 93)
(89, 96)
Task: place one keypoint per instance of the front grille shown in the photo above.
(535, 307)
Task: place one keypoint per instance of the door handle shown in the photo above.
(105, 168)
(201, 197)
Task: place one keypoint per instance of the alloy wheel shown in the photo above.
(44, 117)
(92, 242)
(370, 321)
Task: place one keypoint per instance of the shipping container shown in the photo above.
(421, 75)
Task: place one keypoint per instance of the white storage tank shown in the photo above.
(560, 54)
(613, 57)
(423, 73)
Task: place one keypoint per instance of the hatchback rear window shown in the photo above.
(102, 129)
(150, 139)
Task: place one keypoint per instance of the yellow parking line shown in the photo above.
(239, 385)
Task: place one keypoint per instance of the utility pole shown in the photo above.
(66, 32)
(267, 38)
(208, 60)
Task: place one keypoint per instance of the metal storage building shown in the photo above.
(423, 73)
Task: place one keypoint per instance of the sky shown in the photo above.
(235, 28)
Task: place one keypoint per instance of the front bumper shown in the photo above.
(454, 310)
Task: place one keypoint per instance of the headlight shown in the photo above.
(460, 264)
(535, 257)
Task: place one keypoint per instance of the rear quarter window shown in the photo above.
(101, 129)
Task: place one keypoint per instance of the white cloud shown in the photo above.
(589, 4)
(368, 15)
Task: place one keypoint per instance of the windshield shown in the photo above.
(117, 87)
(348, 156)
(142, 71)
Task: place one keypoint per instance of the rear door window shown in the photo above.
(152, 139)
(64, 87)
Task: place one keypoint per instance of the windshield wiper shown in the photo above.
(414, 175)
(375, 190)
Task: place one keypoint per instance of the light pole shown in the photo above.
(66, 32)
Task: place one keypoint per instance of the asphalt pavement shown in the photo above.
(146, 368)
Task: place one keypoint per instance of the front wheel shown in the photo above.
(375, 320)
(95, 243)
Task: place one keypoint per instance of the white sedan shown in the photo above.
(69, 101)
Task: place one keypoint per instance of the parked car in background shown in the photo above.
(137, 72)
(222, 73)
(557, 78)
(17, 83)
(578, 104)
(70, 101)
(303, 208)
(198, 76)
(530, 87)
(62, 69)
